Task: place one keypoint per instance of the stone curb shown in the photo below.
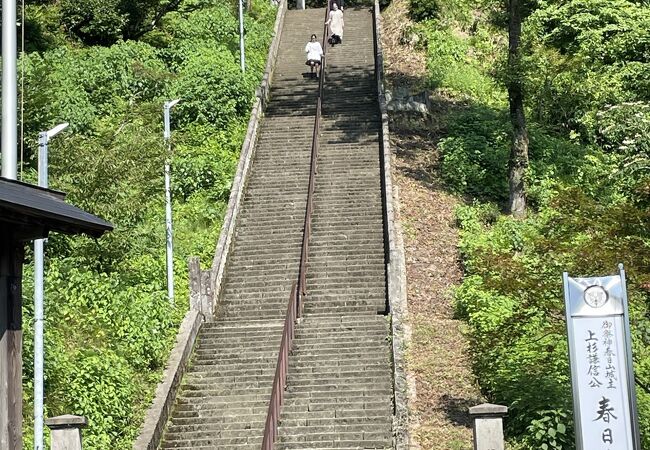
(158, 413)
(404, 387)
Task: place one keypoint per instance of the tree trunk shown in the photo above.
(519, 149)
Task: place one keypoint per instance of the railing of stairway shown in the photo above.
(299, 287)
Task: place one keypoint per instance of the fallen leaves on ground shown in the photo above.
(438, 353)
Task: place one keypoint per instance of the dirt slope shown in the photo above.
(437, 356)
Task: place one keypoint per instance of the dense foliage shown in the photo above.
(586, 68)
(107, 67)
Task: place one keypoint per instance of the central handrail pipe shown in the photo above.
(299, 287)
(304, 256)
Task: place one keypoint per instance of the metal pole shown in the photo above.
(38, 305)
(634, 415)
(9, 140)
(168, 202)
(169, 235)
(39, 264)
(242, 55)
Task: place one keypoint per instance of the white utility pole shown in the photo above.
(242, 55)
(168, 201)
(43, 139)
(9, 140)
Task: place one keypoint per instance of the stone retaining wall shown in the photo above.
(404, 389)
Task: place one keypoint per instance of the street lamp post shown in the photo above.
(9, 139)
(43, 139)
(168, 201)
(242, 55)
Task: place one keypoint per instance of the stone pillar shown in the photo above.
(66, 431)
(200, 289)
(195, 283)
(300, 4)
(487, 422)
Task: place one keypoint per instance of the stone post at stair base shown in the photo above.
(487, 423)
(66, 431)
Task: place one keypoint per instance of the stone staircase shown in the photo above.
(340, 384)
(340, 387)
(225, 393)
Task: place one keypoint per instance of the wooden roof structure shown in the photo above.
(33, 212)
(26, 212)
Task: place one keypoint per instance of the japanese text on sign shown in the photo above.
(604, 401)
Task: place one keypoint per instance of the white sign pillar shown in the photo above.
(600, 352)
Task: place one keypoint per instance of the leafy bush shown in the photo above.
(216, 97)
(95, 21)
(104, 22)
(475, 153)
(585, 54)
(424, 9)
(549, 432)
(109, 324)
(81, 86)
(443, 10)
(586, 72)
(205, 168)
(511, 298)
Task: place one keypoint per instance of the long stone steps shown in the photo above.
(340, 384)
(339, 389)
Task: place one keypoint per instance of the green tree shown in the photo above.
(518, 161)
(103, 22)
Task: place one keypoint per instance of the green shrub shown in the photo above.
(104, 22)
(109, 324)
(550, 431)
(584, 54)
(94, 21)
(421, 10)
(475, 153)
(216, 97)
(208, 167)
(445, 11)
(586, 67)
(511, 298)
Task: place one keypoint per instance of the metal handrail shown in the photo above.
(299, 288)
(280, 379)
(315, 144)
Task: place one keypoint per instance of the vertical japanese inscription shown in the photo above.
(593, 360)
(603, 400)
(608, 354)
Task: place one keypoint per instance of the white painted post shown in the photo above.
(39, 318)
(66, 431)
(169, 233)
(242, 52)
(9, 137)
(487, 423)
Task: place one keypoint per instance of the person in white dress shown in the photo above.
(336, 24)
(314, 53)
